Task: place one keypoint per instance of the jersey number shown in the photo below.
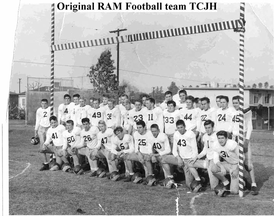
(122, 147)
(87, 138)
(221, 117)
(70, 139)
(66, 110)
(181, 142)
(188, 117)
(150, 117)
(45, 114)
(223, 154)
(109, 116)
(138, 118)
(203, 117)
(236, 118)
(54, 136)
(142, 142)
(104, 140)
(96, 115)
(157, 146)
(169, 120)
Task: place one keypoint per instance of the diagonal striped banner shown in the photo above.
(175, 32)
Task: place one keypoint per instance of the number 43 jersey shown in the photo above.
(89, 137)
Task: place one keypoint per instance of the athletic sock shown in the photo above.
(254, 185)
(226, 182)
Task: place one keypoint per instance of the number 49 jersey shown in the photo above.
(95, 115)
(71, 138)
(89, 137)
(170, 119)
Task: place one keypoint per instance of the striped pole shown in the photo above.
(241, 93)
(52, 59)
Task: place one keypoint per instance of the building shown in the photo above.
(262, 120)
(22, 100)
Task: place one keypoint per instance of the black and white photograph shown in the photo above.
(139, 108)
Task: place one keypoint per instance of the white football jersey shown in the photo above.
(82, 112)
(155, 116)
(125, 145)
(42, 117)
(142, 142)
(203, 116)
(64, 112)
(112, 117)
(73, 111)
(160, 144)
(209, 141)
(185, 145)
(136, 116)
(125, 119)
(247, 123)
(72, 138)
(90, 137)
(180, 105)
(229, 152)
(105, 138)
(223, 119)
(55, 135)
(170, 119)
(95, 115)
(190, 117)
(163, 106)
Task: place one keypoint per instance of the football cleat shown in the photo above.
(151, 181)
(93, 174)
(44, 167)
(114, 176)
(254, 190)
(168, 183)
(101, 173)
(66, 167)
(221, 190)
(77, 169)
(137, 178)
(35, 140)
(196, 186)
(55, 167)
(128, 178)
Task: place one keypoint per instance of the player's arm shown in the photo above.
(113, 146)
(193, 145)
(48, 138)
(118, 117)
(167, 147)
(160, 119)
(249, 126)
(136, 146)
(230, 121)
(65, 142)
(130, 147)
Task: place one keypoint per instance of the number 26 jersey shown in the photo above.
(89, 137)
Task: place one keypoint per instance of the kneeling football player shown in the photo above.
(143, 150)
(184, 150)
(121, 146)
(226, 159)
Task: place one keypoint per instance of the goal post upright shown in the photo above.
(52, 59)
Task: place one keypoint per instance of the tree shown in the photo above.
(157, 93)
(173, 88)
(102, 74)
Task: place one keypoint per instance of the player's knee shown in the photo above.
(214, 168)
(249, 167)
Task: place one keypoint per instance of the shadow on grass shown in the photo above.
(262, 174)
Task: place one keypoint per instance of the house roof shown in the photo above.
(226, 88)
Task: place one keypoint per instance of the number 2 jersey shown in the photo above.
(55, 135)
(72, 138)
(89, 137)
(185, 145)
(42, 117)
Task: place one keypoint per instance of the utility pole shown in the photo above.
(19, 85)
(118, 34)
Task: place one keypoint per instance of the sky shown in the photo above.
(186, 60)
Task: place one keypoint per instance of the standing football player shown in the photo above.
(154, 115)
(104, 104)
(168, 97)
(74, 107)
(42, 124)
(181, 103)
(112, 115)
(125, 116)
(247, 134)
(82, 112)
(64, 110)
(96, 113)
(137, 114)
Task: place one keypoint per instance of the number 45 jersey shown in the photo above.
(89, 137)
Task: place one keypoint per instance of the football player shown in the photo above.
(88, 146)
(74, 107)
(226, 159)
(154, 115)
(183, 152)
(144, 98)
(224, 116)
(137, 114)
(82, 112)
(181, 103)
(197, 103)
(121, 146)
(96, 113)
(208, 141)
(218, 101)
(112, 115)
(168, 97)
(54, 143)
(64, 110)
(247, 134)
(91, 102)
(142, 148)
(126, 123)
(104, 104)
(42, 124)
(170, 118)
(190, 115)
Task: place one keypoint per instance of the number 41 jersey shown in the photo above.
(90, 137)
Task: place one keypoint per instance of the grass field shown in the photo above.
(32, 192)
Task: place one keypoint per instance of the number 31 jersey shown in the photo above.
(90, 137)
